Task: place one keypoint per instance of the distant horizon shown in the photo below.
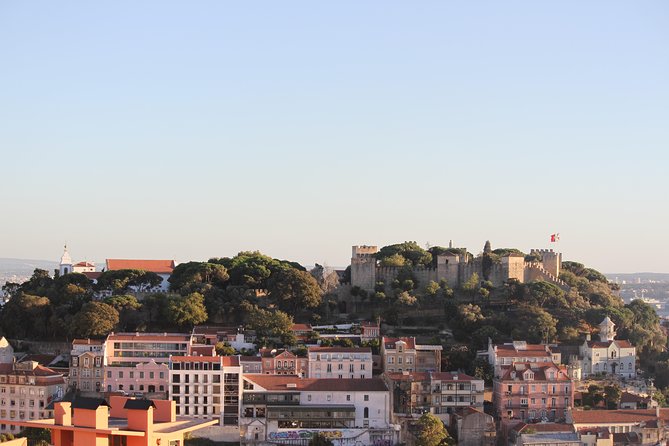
(99, 264)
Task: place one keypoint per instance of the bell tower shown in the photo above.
(607, 330)
(65, 262)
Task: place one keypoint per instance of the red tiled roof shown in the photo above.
(155, 266)
(88, 341)
(539, 369)
(368, 324)
(202, 350)
(617, 416)
(389, 343)
(229, 361)
(628, 397)
(213, 329)
(138, 337)
(425, 376)
(250, 359)
(84, 264)
(618, 343)
(292, 382)
(301, 327)
(92, 275)
(531, 350)
(340, 349)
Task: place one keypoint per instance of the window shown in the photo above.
(366, 398)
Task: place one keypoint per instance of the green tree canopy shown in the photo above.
(432, 431)
(187, 311)
(188, 274)
(413, 254)
(123, 280)
(293, 290)
(95, 320)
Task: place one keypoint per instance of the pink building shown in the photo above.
(138, 362)
(282, 362)
(531, 391)
(145, 377)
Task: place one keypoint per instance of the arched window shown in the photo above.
(366, 413)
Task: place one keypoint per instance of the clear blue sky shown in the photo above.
(195, 129)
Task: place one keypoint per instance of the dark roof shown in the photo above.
(139, 404)
(88, 403)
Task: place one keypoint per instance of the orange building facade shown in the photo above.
(121, 422)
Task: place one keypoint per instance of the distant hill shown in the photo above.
(633, 277)
(16, 270)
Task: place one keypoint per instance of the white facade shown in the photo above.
(608, 356)
(206, 387)
(340, 362)
(278, 408)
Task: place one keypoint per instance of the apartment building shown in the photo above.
(280, 408)
(137, 362)
(87, 365)
(26, 389)
(206, 387)
(439, 393)
(533, 391)
(404, 354)
(340, 362)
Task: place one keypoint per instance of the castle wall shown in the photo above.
(363, 272)
(550, 260)
(423, 276)
(515, 267)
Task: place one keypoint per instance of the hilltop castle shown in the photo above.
(457, 268)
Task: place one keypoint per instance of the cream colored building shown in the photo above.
(340, 362)
(26, 389)
(87, 365)
(405, 355)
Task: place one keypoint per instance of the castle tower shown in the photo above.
(551, 260)
(363, 267)
(65, 263)
(607, 330)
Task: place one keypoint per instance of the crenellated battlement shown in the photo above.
(456, 269)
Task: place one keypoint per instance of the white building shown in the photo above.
(340, 362)
(206, 387)
(608, 355)
(279, 408)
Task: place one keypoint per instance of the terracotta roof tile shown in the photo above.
(389, 343)
(155, 266)
(292, 382)
(617, 416)
(228, 361)
(149, 337)
(425, 376)
(340, 350)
